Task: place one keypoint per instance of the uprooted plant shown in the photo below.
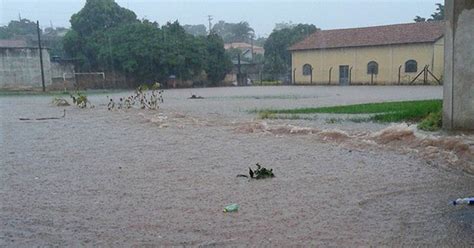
(142, 98)
(81, 101)
(60, 102)
(259, 173)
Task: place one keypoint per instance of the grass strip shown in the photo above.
(383, 112)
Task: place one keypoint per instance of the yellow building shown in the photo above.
(394, 54)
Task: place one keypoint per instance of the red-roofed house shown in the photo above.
(403, 53)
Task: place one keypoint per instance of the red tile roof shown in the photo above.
(422, 32)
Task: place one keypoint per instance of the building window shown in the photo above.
(373, 68)
(307, 70)
(411, 66)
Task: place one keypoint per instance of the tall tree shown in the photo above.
(88, 28)
(277, 56)
(23, 28)
(234, 32)
(132, 49)
(438, 15)
(218, 63)
(142, 50)
(100, 15)
(196, 30)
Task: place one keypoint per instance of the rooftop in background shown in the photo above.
(244, 46)
(422, 32)
(13, 43)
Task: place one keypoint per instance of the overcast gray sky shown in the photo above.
(261, 14)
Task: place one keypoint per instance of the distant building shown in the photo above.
(402, 53)
(20, 67)
(248, 50)
(249, 73)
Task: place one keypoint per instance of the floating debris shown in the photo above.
(44, 118)
(259, 173)
(196, 97)
(60, 102)
(231, 208)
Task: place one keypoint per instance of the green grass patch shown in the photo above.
(410, 111)
(433, 122)
(368, 108)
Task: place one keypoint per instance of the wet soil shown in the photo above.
(143, 178)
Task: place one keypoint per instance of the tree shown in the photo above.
(277, 56)
(88, 28)
(438, 15)
(218, 63)
(283, 25)
(196, 30)
(133, 49)
(184, 52)
(100, 15)
(23, 28)
(234, 32)
(419, 19)
(141, 49)
(260, 41)
(53, 39)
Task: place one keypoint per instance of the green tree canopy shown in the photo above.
(142, 50)
(100, 15)
(277, 56)
(21, 28)
(234, 32)
(438, 15)
(218, 63)
(196, 30)
(88, 30)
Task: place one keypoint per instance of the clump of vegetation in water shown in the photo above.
(60, 102)
(266, 115)
(433, 122)
(259, 173)
(81, 101)
(142, 98)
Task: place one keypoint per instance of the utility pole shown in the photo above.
(209, 18)
(40, 54)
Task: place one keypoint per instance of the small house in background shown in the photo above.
(393, 54)
(248, 50)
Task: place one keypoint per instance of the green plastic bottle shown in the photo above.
(231, 208)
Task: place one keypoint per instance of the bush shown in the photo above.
(433, 122)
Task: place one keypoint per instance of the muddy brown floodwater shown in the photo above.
(143, 178)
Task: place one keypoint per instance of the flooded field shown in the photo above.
(139, 178)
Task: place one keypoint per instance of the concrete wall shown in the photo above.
(20, 68)
(62, 73)
(458, 107)
(389, 58)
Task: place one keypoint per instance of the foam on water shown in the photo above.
(455, 150)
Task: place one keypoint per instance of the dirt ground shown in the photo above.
(145, 178)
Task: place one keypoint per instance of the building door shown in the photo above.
(344, 75)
